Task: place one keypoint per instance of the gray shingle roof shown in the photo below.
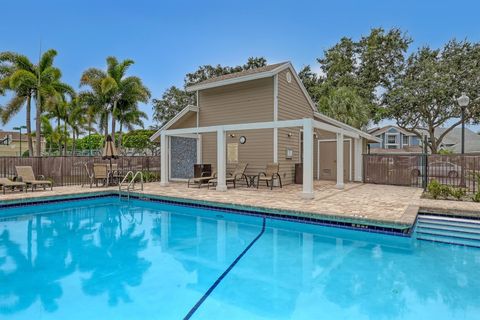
(241, 73)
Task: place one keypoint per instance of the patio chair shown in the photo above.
(205, 178)
(270, 175)
(100, 172)
(7, 183)
(26, 174)
(238, 174)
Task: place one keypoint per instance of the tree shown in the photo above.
(345, 105)
(129, 116)
(28, 81)
(367, 66)
(174, 99)
(22, 86)
(172, 102)
(139, 140)
(109, 88)
(422, 98)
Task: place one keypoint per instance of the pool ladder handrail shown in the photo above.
(131, 183)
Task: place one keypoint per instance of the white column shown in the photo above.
(308, 159)
(199, 149)
(340, 184)
(163, 160)
(275, 119)
(358, 160)
(221, 166)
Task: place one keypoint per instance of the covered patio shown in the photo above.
(308, 126)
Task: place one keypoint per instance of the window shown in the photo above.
(232, 152)
(406, 140)
(391, 139)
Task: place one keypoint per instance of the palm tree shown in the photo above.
(108, 89)
(28, 81)
(76, 120)
(128, 116)
(17, 75)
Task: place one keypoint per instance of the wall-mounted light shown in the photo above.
(232, 135)
(289, 134)
(315, 135)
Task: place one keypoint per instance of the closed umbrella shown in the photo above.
(109, 151)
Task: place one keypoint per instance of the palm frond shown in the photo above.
(12, 108)
(46, 60)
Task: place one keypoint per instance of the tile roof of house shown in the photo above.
(242, 73)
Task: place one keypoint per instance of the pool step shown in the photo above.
(458, 231)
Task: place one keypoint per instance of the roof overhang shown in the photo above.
(179, 116)
(342, 125)
(249, 77)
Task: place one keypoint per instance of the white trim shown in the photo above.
(340, 178)
(358, 161)
(177, 117)
(262, 125)
(307, 188)
(347, 127)
(397, 139)
(275, 118)
(248, 77)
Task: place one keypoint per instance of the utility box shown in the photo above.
(299, 173)
(202, 169)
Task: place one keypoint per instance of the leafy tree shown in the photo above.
(174, 99)
(367, 66)
(172, 102)
(344, 104)
(90, 142)
(422, 98)
(139, 140)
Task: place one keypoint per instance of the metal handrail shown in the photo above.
(130, 183)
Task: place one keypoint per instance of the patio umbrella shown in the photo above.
(109, 151)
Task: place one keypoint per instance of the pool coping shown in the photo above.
(362, 224)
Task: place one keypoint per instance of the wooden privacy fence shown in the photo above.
(67, 171)
(417, 170)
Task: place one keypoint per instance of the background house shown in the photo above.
(10, 143)
(397, 140)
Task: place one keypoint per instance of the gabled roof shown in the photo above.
(246, 75)
(177, 117)
(265, 72)
(378, 131)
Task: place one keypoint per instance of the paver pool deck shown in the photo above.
(390, 206)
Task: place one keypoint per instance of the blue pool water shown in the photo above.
(106, 259)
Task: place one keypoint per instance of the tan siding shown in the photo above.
(188, 121)
(245, 102)
(292, 104)
(257, 151)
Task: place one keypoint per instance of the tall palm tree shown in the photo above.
(18, 75)
(76, 120)
(128, 116)
(110, 87)
(30, 81)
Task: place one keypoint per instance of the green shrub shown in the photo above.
(436, 189)
(476, 196)
(458, 193)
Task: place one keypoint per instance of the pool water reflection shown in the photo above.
(103, 258)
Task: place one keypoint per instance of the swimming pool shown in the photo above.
(109, 259)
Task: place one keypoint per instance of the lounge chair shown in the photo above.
(205, 178)
(238, 174)
(7, 183)
(270, 175)
(26, 174)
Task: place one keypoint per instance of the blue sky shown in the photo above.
(169, 39)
